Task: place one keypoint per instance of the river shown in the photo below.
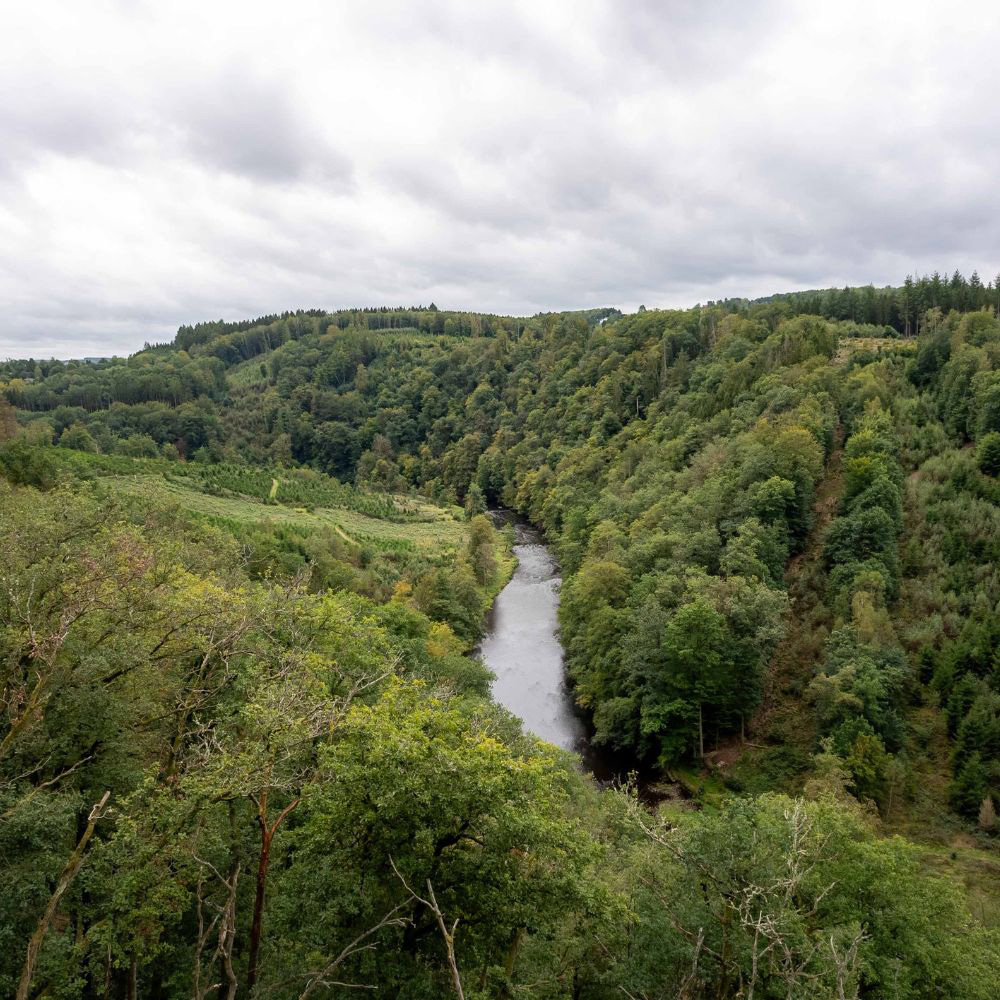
(522, 649)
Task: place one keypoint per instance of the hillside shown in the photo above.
(245, 570)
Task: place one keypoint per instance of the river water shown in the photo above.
(522, 649)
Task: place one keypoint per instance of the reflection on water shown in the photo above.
(522, 649)
(524, 652)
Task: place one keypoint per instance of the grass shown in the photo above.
(437, 531)
(975, 864)
(300, 499)
(506, 564)
(855, 345)
(248, 373)
(299, 487)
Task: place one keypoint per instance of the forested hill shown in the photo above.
(239, 589)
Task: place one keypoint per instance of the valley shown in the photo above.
(256, 618)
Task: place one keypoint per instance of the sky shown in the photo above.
(170, 162)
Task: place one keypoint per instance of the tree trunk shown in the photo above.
(513, 951)
(263, 861)
(701, 734)
(258, 906)
(68, 874)
(449, 941)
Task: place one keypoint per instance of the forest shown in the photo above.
(247, 748)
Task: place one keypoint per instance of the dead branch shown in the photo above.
(359, 944)
(448, 935)
(68, 874)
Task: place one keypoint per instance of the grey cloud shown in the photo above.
(250, 127)
(239, 158)
(689, 40)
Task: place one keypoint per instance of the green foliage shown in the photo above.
(482, 549)
(969, 787)
(25, 464)
(799, 899)
(475, 502)
(263, 665)
(414, 790)
(195, 697)
(77, 437)
(988, 453)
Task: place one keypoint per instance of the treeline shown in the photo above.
(256, 760)
(143, 378)
(672, 458)
(900, 309)
(239, 341)
(200, 333)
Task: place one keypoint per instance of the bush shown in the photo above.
(138, 446)
(77, 437)
(25, 464)
(988, 815)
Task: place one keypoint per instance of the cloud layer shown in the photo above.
(163, 163)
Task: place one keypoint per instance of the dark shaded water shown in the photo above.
(522, 649)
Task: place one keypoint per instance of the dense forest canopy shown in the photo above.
(246, 749)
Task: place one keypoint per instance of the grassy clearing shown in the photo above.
(248, 373)
(298, 487)
(506, 564)
(854, 345)
(437, 531)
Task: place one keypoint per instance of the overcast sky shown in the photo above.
(163, 163)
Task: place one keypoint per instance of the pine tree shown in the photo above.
(976, 296)
(969, 787)
(906, 304)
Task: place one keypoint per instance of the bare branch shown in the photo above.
(359, 944)
(68, 874)
(448, 935)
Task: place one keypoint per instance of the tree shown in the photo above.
(8, 420)
(336, 449)
(772, 896)
(65, 879)
(694, 644)
(482, 549)
(988, 454)
(969, 787)
(868, 763)
(415, 790)
(78, 438)
(25, 464)
(453, 596)
(378, 469)
(475, 502)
